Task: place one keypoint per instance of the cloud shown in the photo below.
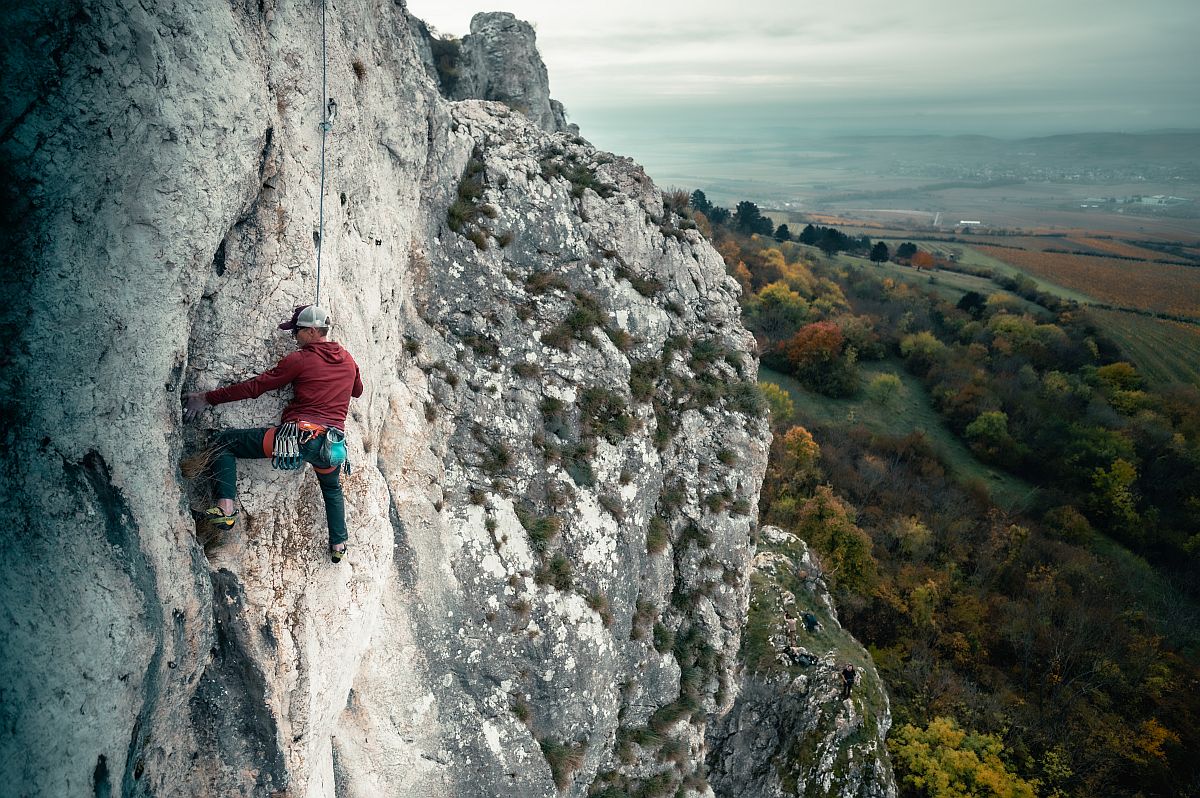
(1132, 58)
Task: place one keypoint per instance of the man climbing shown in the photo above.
(324, 377)
(849, 675)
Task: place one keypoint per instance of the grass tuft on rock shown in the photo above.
(564, 760)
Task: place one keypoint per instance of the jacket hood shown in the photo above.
(329, 351)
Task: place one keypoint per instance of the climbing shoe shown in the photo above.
(337, 554)
(218, 519)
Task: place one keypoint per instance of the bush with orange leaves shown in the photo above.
(820, 359)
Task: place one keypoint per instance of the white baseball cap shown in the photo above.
(308, 316)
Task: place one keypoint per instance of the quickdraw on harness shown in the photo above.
(286, 456)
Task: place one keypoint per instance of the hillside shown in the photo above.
(1003, 505)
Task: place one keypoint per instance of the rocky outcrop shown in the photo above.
(790, 732)
(498, 60)
(556, 461)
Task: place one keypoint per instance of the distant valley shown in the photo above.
(1144, 184)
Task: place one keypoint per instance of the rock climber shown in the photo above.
(324, 377)
(849, 675)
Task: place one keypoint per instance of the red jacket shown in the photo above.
(323, 376)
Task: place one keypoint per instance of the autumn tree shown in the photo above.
(819, 361)
(922, 260)
(816, 344)
(827, 523)
(778, 312)
(944, 761)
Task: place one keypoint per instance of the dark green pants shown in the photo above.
(248, 444)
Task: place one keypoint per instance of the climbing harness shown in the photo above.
(286, 455)
(329, 108)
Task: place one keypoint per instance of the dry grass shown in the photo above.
(195, 465)
(564, 760)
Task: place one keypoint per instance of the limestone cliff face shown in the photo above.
(498, 60)
(538, 404)
(556, 461)
(791, 732)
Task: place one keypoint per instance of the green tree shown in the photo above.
(906, 250)
(828, 524)
(1120, 376)
(922, 350)
(700, 202)
(749, 220)
(972, 302)
(991, 427)
(884, 389)
(1115, 499)
(782, 233)
(944, 761)
(778, 312)
(781, 404)
(879, 252)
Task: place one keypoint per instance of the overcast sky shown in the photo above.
(1055, 65)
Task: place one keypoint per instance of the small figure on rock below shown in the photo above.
(324, 377)
(811, 624)
(800, 656)
(849, 675)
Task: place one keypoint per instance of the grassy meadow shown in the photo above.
(907, 412)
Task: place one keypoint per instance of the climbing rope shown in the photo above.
(329, 108)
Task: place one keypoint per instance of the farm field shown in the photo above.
(910, 411)
(1121, 249)
(900, 222)
(946, 284)
(1166, 352)
(1157, 287)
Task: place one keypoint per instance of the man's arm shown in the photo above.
(283, 373)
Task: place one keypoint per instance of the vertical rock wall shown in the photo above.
(164, 169)
(556, 461)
